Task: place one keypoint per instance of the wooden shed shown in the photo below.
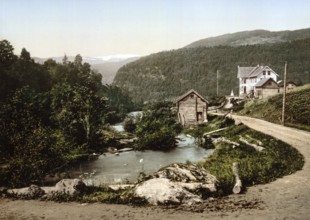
(266, 87)
(192, 109)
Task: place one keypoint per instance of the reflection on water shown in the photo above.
(110, 168)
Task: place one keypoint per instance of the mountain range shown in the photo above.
(251, 38)
(140, 75)
(169, 74)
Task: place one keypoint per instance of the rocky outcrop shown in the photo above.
(66, 186)
(185, 173)
(31, 192)
(70, 186)
(161, 191)
(177, 184)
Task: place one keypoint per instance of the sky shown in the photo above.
(96, 28)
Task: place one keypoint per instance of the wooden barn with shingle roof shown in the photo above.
(192, 109)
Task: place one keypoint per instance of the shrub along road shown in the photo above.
(285, 198)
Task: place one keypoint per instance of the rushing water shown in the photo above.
(119, 127)
(111, 168)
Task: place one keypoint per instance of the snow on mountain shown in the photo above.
(117, 57)
(93, 60)
(107, 66)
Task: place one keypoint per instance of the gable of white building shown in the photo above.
(250, 76)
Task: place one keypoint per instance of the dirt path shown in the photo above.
(286, 198)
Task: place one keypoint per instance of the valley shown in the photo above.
(75, 93)
(154, 110)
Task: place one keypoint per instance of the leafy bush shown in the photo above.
(157, 128)
(227, 122)
(50, 114)
(32, 159)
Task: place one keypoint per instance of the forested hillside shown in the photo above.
(252, 37)
(167, 75)
(51, 114)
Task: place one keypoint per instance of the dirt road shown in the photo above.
(286, 198)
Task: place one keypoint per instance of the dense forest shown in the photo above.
(51, 114)
(167, 75)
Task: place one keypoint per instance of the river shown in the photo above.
(126, 166)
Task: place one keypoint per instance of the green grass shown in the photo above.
(297, 108)
(119, 197)
(90, 194)
(214, 123)
(276, 160)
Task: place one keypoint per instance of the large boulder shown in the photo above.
(161, 191)
(70, 186)
(190, 173)
(177, 184)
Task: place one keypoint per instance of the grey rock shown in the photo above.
(65, 186)
(117, 187)
(70, 186)
(185, 173)
(161, 191)
(31, 192)
(177, 184)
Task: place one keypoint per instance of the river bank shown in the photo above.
(285, 198)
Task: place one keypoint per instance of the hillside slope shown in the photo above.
(297, 108)
(169, 74)
(251, 38)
